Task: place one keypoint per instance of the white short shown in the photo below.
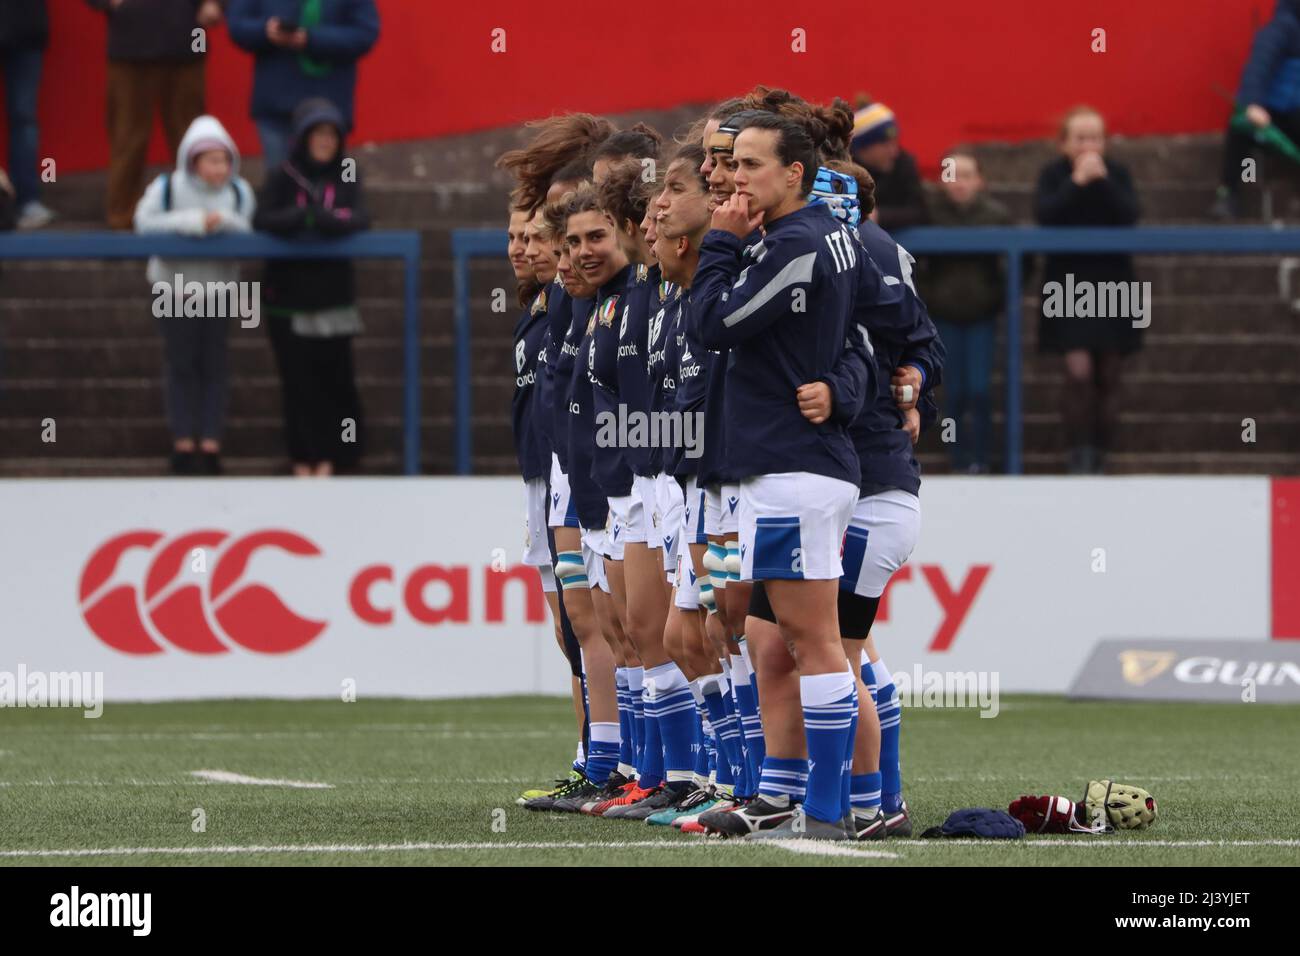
(537, 550)
(593, 558)
(669, 503)
(880, 538)
(548, 579)
(626, 525)
(792, 526)
(645, 490)
(563, 512)
(687, 582)
(693, 515)
(722, 510)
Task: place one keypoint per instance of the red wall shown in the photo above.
(953, 70)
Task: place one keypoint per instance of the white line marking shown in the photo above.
(1111, 841)
(225, 776)
(377, 848)
(826, 848)
(796, 846)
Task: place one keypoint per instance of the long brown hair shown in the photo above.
(559, 141)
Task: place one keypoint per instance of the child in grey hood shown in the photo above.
(204, 196)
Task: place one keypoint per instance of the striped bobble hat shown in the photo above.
(873, 124)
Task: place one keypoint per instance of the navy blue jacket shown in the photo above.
(530, 330)
(895, 334)
(664, 309)
(641, 301)
(782, 306)
(609, 465)
(347, 31)
(1272, 74)
(685, 382)
(562, 361)
(588, 499)
(545, 395)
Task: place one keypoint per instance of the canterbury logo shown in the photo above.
(210, 614)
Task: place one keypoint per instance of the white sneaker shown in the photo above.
(35, 215)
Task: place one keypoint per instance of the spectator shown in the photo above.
(203, 197)
(7, 214)
(964, 294)
(1084, 189)
(302, 49)
(899, 200)
(311, 304)
(24, 34)
(1270, 95)
(152, 63)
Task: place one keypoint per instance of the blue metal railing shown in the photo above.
(1015, 242)
(369, 245)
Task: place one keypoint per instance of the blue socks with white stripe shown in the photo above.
(830, 710)
(602, 752)
(670, 711)
(717, 699)
(635, 676)
(783, 780)
(751, 724)
(890, 710)
(626, 747)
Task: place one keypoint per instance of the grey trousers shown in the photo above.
(196, 382)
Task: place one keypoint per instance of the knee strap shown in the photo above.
(732, 561)
(708, 600)
(715, 562)
(570, 571)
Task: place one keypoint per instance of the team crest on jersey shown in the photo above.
(666, 289)
(539, 303)
(607, 310)
(642, 272)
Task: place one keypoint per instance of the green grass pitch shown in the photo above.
(434, 782)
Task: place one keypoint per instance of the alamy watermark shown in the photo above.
(79, 689)
(975, 689)
(1098, 300)
(638, 429)
(206, 300)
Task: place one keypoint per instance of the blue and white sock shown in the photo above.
(650, 771)
(868, 676)
(890, 711)
(846, 791)
(744, 787)
(602, 755)
(717, 695)
(635, 677)
(865, 793)
(829, 710)
(672, 709)
(751, 723)
(626, 750)
(700, 748)
(783, 780)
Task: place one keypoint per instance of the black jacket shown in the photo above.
(1111, 201)
(24, 25)
(899, 197)
(305, 200)
(150, 29)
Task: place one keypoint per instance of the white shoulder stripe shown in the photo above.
(796, 271)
